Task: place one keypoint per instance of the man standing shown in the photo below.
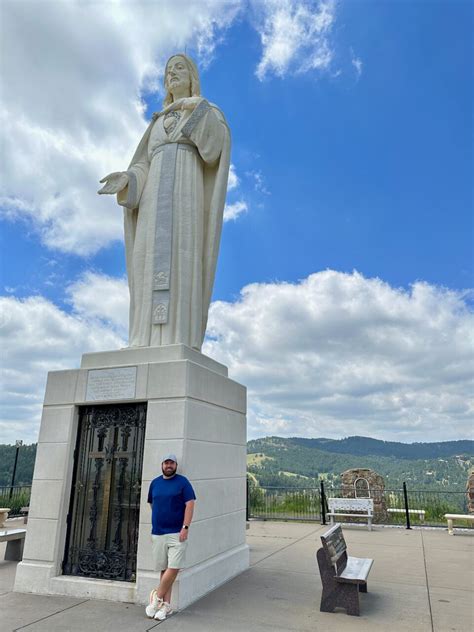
(171, 497)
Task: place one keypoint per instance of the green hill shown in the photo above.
(364, 446)
(298, 462)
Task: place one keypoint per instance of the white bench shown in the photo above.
(15, 539)
(358, 508)
(416, 512)
(451, 517)
(4, 511)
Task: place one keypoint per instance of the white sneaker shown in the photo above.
(164, 611)
(154, 605)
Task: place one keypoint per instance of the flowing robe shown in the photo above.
(174, 204)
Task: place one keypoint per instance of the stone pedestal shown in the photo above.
(195, 411)
(366, 483)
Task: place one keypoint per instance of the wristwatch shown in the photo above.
(185, 526)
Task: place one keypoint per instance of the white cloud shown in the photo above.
(295, 35)
(234, 180)
(333, 355)
(97, 296)
(339, 354)
(232, 211)
(37, 337)
(258, 181)
(357, 63)
(73, 111)
(235, 209)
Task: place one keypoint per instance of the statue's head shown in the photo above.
(180, 69)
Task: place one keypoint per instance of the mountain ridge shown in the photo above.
(297, 461)
(367, 446)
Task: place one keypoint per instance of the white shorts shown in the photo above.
(168, 551)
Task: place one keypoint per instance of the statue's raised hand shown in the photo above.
(114, 182)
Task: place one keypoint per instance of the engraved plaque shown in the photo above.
(111, 384)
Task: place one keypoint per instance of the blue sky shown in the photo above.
(351, 193)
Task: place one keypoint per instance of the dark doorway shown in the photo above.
(104, 512)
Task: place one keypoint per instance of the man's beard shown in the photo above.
(169, 471)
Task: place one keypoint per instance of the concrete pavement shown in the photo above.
(422, 580)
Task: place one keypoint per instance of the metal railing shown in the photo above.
(403, 507)
(15, 497)
(283, 503)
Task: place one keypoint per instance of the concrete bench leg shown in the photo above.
(14, 550)
(450, 526)
(336, 594)
(369, 523)
(352, 602)
(340, 596)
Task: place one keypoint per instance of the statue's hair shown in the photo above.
(193, 71)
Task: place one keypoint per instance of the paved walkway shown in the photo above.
(422, 580)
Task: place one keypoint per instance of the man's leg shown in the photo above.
(167, 579)
(161, 577)
(160, 558)
(176, 552)
(155, 602)
(167, 597)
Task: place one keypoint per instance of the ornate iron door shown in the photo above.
(103, 518)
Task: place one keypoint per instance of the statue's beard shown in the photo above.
(179, 85)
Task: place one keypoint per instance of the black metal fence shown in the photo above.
(15, 497)
(284, 503)
(404, 507)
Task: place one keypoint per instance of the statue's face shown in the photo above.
(177, 77)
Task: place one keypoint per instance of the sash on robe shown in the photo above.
(164, 218)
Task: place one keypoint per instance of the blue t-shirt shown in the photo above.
(167, 497)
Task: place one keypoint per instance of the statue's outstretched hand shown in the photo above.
(114, 182)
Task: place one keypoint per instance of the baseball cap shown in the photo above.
(169, 457)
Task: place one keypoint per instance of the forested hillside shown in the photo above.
(363, 446)
(25, 464)
(274, 461)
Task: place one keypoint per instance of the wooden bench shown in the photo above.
(343, 577)
(416, 512)
(15, 539)
(341, 507)
(4, 511)
(451, 517)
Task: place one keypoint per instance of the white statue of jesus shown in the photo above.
(173, 195)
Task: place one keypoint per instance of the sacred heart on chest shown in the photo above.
(170, 121)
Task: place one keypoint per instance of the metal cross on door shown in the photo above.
(105, 501)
